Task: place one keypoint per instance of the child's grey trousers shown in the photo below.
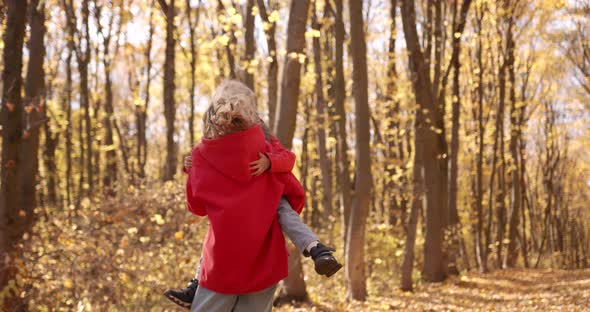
(301, 236)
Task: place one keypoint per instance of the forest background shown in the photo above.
(433, 138)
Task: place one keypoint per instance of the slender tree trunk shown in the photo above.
(34, 101)
(68, 130)
(293, 286)
(324, 161)
(228, 47)
(83, 61)
(110, 177)
(436, 205)
(417, 203)
(287, 113)
(12, 221)
(394, 150)
(169, 89)
(454, 222)
(141, 111)
(250, 44)
(481, 249)
(273, 66)
(193, 64)
(72, 33)
(342, 140)
(355, 256)
(500, 196)
(515, 194)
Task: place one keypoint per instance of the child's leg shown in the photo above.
(298, 232)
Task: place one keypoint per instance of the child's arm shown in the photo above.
(281, 159)
(194, 204)
(188, 162)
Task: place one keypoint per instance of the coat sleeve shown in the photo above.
(281, 159)
(194, 204)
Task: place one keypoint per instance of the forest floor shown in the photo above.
(121, 254)
(503, 290)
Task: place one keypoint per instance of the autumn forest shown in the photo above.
(443, 146)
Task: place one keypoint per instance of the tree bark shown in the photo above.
(34, 102)
(394, 147)
(141, 110)
(12, 221)
(83, 61)
(342, 140)
(287, 114)
(193, 64)
(515, 194)
(500, 196)
(417, 204)
(110, 177)
(250, 44)
(434, 269)
(294, 285)
(355, 256)
(68, 131)
(321, 125)
(273, 66)
(454, 222)
(169, 88)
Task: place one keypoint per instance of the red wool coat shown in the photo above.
(244, 249)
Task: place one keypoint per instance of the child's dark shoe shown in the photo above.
(325, 262)
(183, 297)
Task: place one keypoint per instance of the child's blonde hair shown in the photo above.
(232, 109)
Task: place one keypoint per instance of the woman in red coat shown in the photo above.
(244, 254)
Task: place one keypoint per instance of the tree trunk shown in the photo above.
(500, 196)
(417, 203)
(287, 114)
(83, 61)
(34, 101)
(273, 66)
(12, 221)
(294, 285)
(228, 47)
(169, 89)
(141, 110)
(436, 205)
(454, 222)
(342, 140)
(515, 194)
(394, 148)
(193, 63)
(250, 45)
(480, 249)
(355, 256)
(68, 131)
(110, 177)
(321, 125)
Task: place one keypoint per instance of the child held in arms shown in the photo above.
(237, 171)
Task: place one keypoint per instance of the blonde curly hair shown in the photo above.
(232, 109)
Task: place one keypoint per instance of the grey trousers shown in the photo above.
(292, 225)
(206, 300)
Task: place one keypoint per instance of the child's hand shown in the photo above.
(188, 161)
(259, 166)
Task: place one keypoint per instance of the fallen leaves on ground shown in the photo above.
(121, 254)
(502, 290)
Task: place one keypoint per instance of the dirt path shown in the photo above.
(506, 290)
